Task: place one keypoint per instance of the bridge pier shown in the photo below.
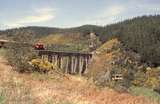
(68, 62)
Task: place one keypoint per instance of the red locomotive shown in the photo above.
(39, 46)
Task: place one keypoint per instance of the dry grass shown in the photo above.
(12, 89)
(66, 42)
(48, 89)
(62, 39)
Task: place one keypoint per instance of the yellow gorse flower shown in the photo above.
(43, 64)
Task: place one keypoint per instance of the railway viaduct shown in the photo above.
(68, 62)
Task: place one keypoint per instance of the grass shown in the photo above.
(146, 92)
(2, 51)
(2, 97)
(15, 93)
(50, 101)
(61, 39)
(55, 102)
(66, 42)
(46, 77)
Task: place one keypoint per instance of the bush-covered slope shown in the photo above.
(141, 34)
(112, 58)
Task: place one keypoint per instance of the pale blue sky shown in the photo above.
(70, 13)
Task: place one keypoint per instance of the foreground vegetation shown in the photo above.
(13, 92)
(36, 88)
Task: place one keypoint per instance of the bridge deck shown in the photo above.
(63, 53)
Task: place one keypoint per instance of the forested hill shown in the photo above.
(141, 34)
(137, 26)
(37, 31)
(44, 31)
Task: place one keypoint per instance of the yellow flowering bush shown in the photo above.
(140, 78)
(153, 79)
(42, 65)
(150, 78)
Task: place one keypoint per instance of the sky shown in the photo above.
(71, 13)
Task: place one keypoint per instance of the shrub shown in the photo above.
(148, 78)
(146, 92)
(140, 78)
(41, 65)
(20, 52)
(153, 80)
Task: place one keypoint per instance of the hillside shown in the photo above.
(66, 42)
(63, 39)
(113, 58)
(102, 56)
(44, 31)
(37, 31)
(140, 34)
(135, 77)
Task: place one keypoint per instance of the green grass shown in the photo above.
(2, 51)
(146, 92)
(2, 98)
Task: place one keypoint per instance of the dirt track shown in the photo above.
(72, 89)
